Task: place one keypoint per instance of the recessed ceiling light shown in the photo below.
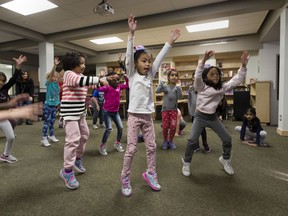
(208, 26)
(214, 43)
(27, 7)
(106, 40)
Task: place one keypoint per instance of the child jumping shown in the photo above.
(73, 111)
(192, 98)
(251, 128)
(210, 92)
(141, 72)
(5, 125)
(51, 105)
(172, 92)
(111, 110)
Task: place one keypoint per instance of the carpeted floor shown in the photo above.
(33, 186)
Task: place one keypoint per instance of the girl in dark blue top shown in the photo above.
(251, 131)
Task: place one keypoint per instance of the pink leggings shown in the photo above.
(143, 122)
(169, 123)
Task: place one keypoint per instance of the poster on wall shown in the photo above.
(164, 67)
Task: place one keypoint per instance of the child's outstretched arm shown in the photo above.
(27, 112)
(132, 24)
(207, 56)
(175, 34)
(245, 58)
(129, 63)
(19, 61)
(53, 70)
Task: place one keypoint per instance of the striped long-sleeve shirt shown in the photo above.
(74, 94)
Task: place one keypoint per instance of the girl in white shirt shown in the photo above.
(141, 72)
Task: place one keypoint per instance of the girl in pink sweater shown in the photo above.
(110, 110)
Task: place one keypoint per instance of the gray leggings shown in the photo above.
(202, 120)
(7, 129)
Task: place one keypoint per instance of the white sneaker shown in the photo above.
(94, 126)
(227, 165)
(185, 168)
(118, 146)
(53, 138)
(103, 151)
(45, 142)
(8, 159)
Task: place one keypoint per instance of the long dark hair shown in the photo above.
(208, 82)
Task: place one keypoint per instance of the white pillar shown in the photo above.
(46, 59)
(283, 75)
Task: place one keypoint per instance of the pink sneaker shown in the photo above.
(152, 180)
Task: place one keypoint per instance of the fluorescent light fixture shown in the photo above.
(106, 40)
(214, 43)
(8, 66)
(27, 7)
(208, 26)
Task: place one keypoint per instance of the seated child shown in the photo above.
(181, 124)
(251, 128)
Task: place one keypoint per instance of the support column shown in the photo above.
(283, 75)
(46, 59)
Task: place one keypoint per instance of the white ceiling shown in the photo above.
(73, 23)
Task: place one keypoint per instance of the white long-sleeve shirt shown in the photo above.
(140, 93)
(208, 98)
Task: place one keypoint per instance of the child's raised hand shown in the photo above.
(56, 60)
(245, 58)
(175, 34)
(132, 23)
(207, 55)
(20, 60)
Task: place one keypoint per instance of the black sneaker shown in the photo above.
(140, 138)
(207, 149)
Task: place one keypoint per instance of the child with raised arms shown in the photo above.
(211, 90)
(141, 71)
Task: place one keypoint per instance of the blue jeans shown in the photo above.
(117, 120)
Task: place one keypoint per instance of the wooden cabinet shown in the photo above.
(260, 99)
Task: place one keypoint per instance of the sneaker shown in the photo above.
(126, 189)
(140, 138)
(79, 166)
(45, 142)
(8, 159)
(172, 145)
(118, 146)
(185, 168)
(101, 125)
(94, 126)
(165, 145)
(207, 149)
(69, 179)
(227, 165)
(53, 138)
(196, 150)
(102, 150)
(152, 180)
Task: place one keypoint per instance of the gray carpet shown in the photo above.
(33, 186)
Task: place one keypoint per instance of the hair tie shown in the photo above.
(139, 48)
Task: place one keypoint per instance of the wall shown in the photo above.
(268, 71)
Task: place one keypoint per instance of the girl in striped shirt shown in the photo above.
(73, 111)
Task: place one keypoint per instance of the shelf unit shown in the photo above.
(186, 67)
(260, 98)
